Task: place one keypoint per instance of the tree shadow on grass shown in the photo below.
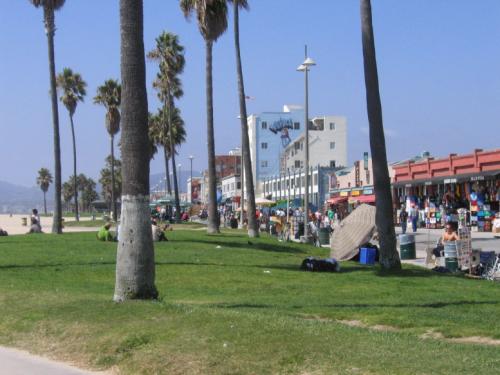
(435, 305)
(249, 245)
(414, 272)
(49, 265)
(360, 306)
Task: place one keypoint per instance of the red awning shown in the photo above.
(337, 200)
(363, 199)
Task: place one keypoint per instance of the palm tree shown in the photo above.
(212, 22)
(44, 180)
(158, 134)
(253, 230)
(111, 183)
(170, 55)
(49, 8)
(109, 95)
(73, 91)
(135, 265)
(389, 258)
(161, 133)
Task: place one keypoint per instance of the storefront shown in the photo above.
(439, 187)
(345, 200)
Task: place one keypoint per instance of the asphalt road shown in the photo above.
(17, 362)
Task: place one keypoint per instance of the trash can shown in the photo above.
(451, 264)
(300, 231)
(324, 236)
(407, 246)
(367, 255)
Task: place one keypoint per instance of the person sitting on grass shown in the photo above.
(3, 232)
(35, 226)
(158, 233)
(104, 233)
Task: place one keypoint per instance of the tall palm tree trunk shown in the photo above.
(48, 13)
(167, 169)
(174, 169)
(389, 258)
(213, 216)
(75, 183)
(253, 230)
(113, 198)
(45, 203)
(135, 266)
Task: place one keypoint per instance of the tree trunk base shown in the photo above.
(212, 229)
(135, 267)
(253, 233)
(390, 264)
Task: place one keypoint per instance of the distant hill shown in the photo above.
(21, 199)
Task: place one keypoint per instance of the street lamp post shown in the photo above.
(179, 175)
(304, 67)
(242, 181)
(191, 157)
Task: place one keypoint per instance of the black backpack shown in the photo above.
(320, 265)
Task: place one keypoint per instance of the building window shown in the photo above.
(301, 145)
(232, 185)
(296, 125)
(303, 181)
(332, 126)
(293, 183)
(279, 185)
(263, 163)
(238, 185)
(315, 179)
(264, 125)
(332, 145)
(263, 145)
(332, 163)
(297, 164)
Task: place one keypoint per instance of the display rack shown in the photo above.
(464, 244)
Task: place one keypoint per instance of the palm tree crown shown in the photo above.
(211, 16)
(109, 95)
(53, 4)
(44, 179)
(73, 89)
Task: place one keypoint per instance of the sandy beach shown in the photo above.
(13, 224)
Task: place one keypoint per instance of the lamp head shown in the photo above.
(308, 62)
(302, 68)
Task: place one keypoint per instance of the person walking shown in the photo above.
(403, 219)
(414, 218)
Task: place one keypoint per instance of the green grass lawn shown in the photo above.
(228, 306)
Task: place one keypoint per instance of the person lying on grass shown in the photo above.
(105, 234)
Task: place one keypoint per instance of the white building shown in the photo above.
(327, 145)
(231, 190)
(271, 133)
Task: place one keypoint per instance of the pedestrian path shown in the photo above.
(18, 362)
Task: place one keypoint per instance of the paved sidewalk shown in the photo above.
(428, 237)
(18, 362)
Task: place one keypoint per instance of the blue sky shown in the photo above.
(439, 71)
